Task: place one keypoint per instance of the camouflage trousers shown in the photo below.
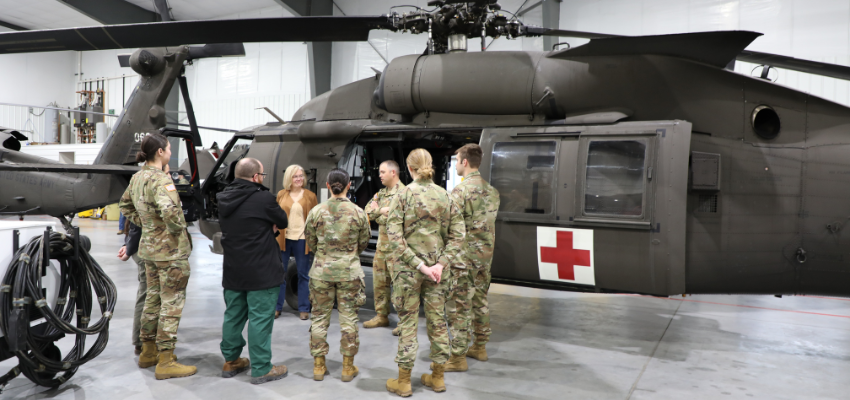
(470, 310)
(350, 295)
(408, 288)
(164, 302)
(382, 284)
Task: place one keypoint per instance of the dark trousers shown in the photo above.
(295, 248)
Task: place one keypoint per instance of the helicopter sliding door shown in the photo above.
(591, 207)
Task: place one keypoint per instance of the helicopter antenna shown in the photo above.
(272, 113)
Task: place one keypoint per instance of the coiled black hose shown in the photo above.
(21, 294)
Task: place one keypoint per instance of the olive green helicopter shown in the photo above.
(638, 164)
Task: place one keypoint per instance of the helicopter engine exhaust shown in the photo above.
(460, 83)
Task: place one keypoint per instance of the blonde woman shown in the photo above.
(297, 202)
(425, 231)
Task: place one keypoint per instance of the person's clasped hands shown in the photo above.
(434, 272)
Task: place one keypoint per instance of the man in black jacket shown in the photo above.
(249, 218)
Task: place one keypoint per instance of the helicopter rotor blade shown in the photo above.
(197, 52)
(175, 33)
(713, 48)
(755, 57)
(538, 31)
(795, 64)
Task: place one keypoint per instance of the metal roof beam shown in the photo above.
(320, 54)
(112, 12)
(551, 19)
(301, 8)
(13, 26)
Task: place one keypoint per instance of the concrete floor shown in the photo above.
(546, 345)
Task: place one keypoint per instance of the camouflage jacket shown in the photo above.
(424, 226)
(383, 199)
(151, 201)
(478, 203)
(338, 231)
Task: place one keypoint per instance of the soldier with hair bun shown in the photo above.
(151, 202)
(425, 231)
(338, 230)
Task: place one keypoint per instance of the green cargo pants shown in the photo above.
(256, 307)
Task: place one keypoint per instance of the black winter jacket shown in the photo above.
(247, 211)
(131, 241)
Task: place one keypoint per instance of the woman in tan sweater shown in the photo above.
(297, 202)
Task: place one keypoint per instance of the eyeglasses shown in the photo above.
(260, 173)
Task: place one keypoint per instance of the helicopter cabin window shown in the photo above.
(524, 175)
(614, 180)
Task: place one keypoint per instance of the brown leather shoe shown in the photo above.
(232, 368)
(277, 372)
(276, 314)
(305, 316)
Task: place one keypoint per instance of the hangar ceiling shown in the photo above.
(53, 14)
(42, 14)
(207, 9)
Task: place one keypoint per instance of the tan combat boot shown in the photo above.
(400, 386)
(395, 331)
(148, 358)
(478, 352)
(168, 368)
(435, 380)
(378, 321)
(319, 368)
(349, 371)
(456, 364)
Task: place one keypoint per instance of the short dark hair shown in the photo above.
(470, 152)
(247, 167)
(150, 145)
(338, 179)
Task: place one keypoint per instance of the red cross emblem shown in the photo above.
(565, 256)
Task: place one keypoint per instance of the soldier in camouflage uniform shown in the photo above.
(339, 231)
(377, 209)
(478, 203)
(425, 231)
(151, 202)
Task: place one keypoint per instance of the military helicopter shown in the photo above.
(628, 164)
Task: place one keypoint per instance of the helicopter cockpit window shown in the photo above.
(524, 175)
(614, 183)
